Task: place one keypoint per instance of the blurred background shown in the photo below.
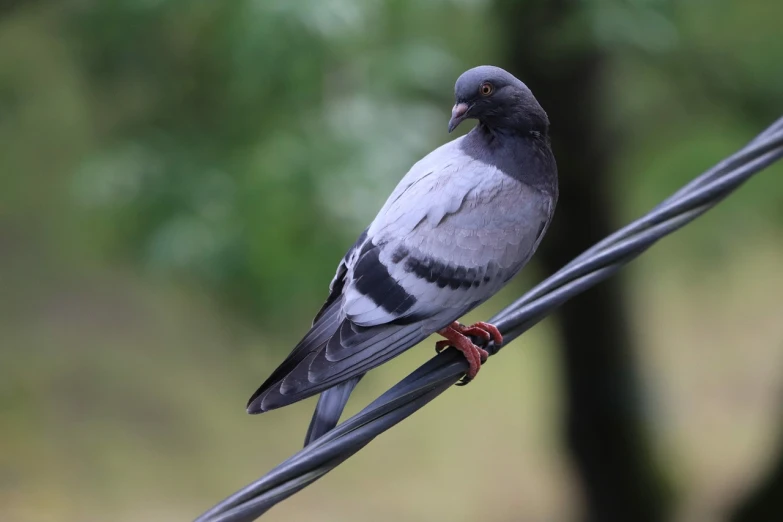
(179, 178)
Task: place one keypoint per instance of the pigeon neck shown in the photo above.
(524, 156)
(508, 132)
(510, 139)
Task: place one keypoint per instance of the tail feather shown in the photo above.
(325, 326)
(330, 407)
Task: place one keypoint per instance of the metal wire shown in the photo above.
(442, 371)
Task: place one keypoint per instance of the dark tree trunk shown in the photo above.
(605, 431)
(765, 504)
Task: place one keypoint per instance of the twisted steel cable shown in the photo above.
(445, 369)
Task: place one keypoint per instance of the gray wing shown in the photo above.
(453, 232)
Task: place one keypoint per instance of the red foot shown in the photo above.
(456, 336)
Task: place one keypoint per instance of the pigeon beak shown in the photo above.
(458, 113)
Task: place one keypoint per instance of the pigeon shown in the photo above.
(458, 226)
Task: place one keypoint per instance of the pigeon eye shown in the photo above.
(486, 89)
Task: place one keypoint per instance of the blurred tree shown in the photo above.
(605, 431)
(765, 502)
(245, 144)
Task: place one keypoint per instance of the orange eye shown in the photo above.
(486, 89)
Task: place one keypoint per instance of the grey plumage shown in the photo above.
(463, 221)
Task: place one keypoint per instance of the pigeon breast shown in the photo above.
(452, 233)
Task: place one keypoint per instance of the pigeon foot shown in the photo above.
(457, 334)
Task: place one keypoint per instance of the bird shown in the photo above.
(459, 225)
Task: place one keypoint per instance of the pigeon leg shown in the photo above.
(457, 339)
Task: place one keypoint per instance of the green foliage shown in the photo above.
(243, 145)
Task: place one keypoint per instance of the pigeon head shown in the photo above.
(497, 100)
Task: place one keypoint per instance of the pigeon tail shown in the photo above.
(330, 407)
